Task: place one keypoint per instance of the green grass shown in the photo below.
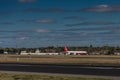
(5, 76)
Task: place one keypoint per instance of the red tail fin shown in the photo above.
(65, 49)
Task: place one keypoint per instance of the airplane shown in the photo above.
(74, 52)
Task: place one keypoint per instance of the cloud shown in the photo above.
(51, 10)
(15, 31)
(21, 34)
(6, 23)
(45, 21)
(91, 23)
(27, 1)
(102, 33)
(72, 36)
(38, 21)
(26, 21)
(1, 42)
(28, 31)
(42, 30)
(107, 30)
(23, 38)
(102, 8)
(94, 28)
(56, 10)
(74, 17)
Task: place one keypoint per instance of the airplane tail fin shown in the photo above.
(65, 49)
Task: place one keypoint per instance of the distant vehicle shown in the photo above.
(74, 52)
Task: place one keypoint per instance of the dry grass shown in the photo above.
(84, 59)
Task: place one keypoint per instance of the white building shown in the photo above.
(37, 52)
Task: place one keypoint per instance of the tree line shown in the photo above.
(108, 50)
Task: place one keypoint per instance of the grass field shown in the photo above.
(63, 59)
(5, 76)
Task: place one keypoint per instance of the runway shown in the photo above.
(62, 69)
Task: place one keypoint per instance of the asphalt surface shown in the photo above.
(62, 69)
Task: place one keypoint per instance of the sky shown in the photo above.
(42, 23)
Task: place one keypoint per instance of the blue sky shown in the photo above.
(41, 23)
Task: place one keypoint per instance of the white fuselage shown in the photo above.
(76, 52)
